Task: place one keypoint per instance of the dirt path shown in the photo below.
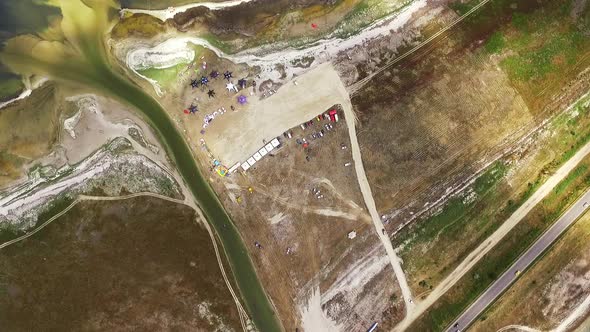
(370, 203)
(244, 319)
(354, 214)
(476, 255)
(518, 328)
(578, 313)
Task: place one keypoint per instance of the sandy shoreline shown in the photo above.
(170, 12)
(165, 54)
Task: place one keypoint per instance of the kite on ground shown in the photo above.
(231, 87)
(227, 75)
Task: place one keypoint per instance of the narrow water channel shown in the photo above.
(83, 59)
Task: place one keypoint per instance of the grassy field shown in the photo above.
(140, 264)
(521, 237)
(543, 49)
(166, 76)
(463, 222)
(445, 238)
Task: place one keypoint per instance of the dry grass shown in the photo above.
(428, 126)
(140, 264)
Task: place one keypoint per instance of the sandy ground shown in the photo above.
(267, 57)
(578, 313)
(166, 14)
(101, 120)
(314, 318)
(518, 328)
(489, 243)
(584, 326)
(235, 136)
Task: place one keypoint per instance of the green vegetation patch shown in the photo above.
(536, 61)
(10, 88)
(460, 216)
(444, 239)
(165, 76)
(544, 43)
(495, 43)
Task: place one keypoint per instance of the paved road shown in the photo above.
(506, 279)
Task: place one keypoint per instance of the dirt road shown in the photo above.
(490, 242)
(370, 203)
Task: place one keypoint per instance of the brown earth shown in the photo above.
(282, 212)
(28, 129)
(140, 264)
(444, 115)
(450, 108)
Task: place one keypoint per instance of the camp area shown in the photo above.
(238, 134)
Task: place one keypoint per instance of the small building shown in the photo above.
(263, 151)
(269, 147)
(234, 168)
(352, 235)
(275, 143)
(245, 166)
(257, 156)
(251, 161)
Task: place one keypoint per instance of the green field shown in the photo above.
(444, 239)
(165, 76)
